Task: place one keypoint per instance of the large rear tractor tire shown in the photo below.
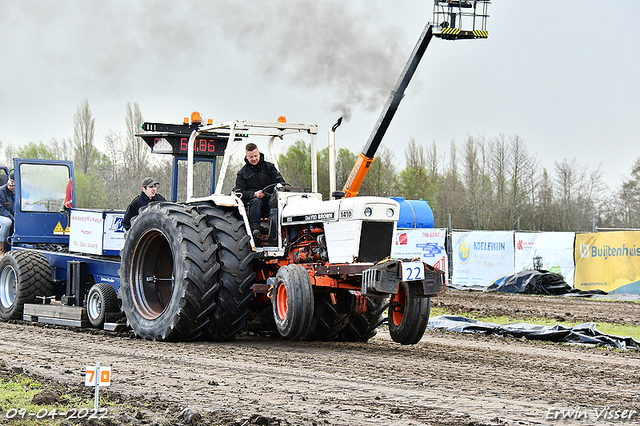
(292, 302)
(24, 276)
(229, 314)
(408, 316)
(168, 273)
(362, 327)
(101, 300)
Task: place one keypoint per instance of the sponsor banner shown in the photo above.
(554, 249)
(426, 244)
(96, 232)
(608, 261)
(113, 232)
(86, 232)
(481, 258)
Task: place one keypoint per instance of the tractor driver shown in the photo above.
(255, 175)
(148, 195)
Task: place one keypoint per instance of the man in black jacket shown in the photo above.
(148, 195)
(7, 201)
(254, 176)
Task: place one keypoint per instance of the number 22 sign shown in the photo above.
(412, 271)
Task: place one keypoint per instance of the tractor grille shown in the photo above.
(375, 241)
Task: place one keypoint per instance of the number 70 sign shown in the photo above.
(90, 376)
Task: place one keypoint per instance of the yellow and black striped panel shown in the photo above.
(450, 31)
(457, 34)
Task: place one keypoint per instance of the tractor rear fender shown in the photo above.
(385, 277)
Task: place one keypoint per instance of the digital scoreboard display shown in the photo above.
(174, 139)
(206, 146)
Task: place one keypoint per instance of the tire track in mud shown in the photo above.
(445, 379)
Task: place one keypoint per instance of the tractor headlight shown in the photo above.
(390, 212)
(368, 211)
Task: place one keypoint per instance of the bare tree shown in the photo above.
(592, 191)
(8, 154)
(433, 170)
(62, 150)
(567, 181)
(578, 196)
(117, 183)
(626, 212)
(414, 181)
(498, 167)
(450, 197)
(414, 155)
(512, 173)
(136, 151)
(545, 205)
(83, 134)
(477, 183)
(522, 180)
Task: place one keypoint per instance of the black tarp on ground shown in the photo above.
(586, 333)
(537, 282)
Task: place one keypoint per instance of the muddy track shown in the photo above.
(558, 308)
(446, 379)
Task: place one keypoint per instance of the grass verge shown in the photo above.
(17, 406)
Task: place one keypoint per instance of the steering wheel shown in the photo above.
(268, 190)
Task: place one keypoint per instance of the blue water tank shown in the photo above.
(414, 213)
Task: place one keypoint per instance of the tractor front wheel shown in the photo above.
(292, 302)
(408, 316)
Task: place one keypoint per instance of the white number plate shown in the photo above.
(412, 271)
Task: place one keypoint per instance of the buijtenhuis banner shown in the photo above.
(608, 261)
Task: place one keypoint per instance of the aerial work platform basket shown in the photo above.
(464, 19)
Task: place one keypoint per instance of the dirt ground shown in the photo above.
(446, 379)
(558, 308)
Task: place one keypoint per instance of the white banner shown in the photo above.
(86, 231)
(113, 232)
(482, 257)
(427, 244)
(96, 232)
(555, 250)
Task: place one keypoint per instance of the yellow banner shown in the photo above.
(608, 261)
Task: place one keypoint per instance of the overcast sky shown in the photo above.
(562, 75)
